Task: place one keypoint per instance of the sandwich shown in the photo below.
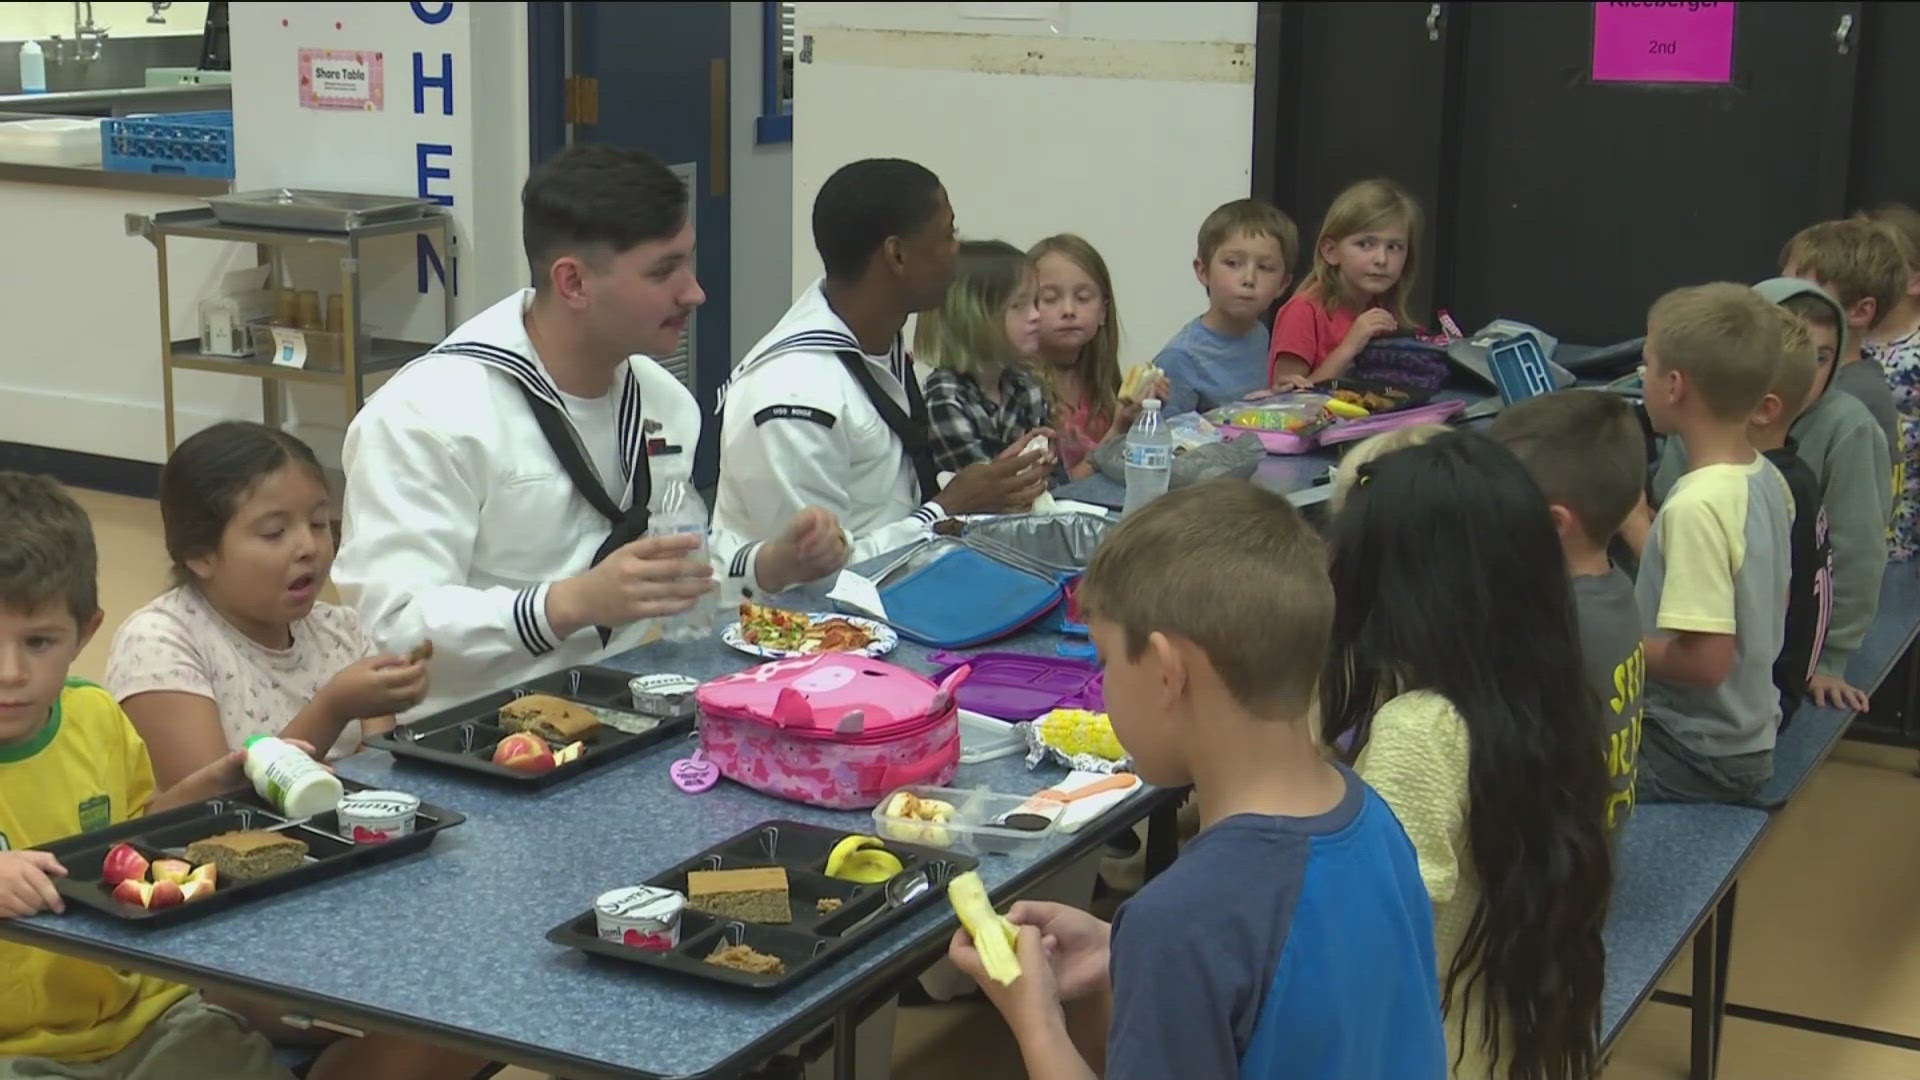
(549, 717)
(246, 855)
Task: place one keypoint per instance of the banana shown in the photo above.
(992, 934)
(862, 859)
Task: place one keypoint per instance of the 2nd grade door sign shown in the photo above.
(1663, 43)
(349, 79)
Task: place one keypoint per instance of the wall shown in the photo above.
(1126, 123)
(762, 187)
(38, 19)
(80, 364)
(460, 136)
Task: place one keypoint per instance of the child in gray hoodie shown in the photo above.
(1842, 443)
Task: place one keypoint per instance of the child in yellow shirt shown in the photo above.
(70, 762)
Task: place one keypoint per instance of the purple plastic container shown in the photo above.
(1020, 686)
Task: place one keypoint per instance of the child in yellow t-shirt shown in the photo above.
(70, 762)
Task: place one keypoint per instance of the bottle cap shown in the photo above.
(1152, 404)
(251, 739)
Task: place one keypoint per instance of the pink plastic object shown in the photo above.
(695, 774)
(837, 731)
(1280, 442)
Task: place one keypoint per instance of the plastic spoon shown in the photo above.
(1046, 806)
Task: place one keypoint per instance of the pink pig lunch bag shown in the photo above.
(837, 731)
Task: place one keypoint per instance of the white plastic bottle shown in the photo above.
(682, 512)
(287, 777)
(33, 68)
(1149, 457)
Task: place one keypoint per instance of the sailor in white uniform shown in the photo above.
(498, 487)
(825, 411)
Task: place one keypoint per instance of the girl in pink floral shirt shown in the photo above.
(241, 645)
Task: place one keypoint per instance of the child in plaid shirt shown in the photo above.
(982, 395)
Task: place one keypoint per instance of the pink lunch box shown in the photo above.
(836, 731)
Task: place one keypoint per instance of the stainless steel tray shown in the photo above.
(318, 211)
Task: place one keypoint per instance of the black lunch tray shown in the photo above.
(463, 737)
(811, 941)
(166, 835)
(1406, 397)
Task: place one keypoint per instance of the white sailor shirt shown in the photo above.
(798, 431)
(459, 516)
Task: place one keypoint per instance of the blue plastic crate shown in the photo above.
(180, 144)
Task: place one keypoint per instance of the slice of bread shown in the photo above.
(250, 854)
(548, 717)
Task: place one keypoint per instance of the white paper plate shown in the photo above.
(884, 638)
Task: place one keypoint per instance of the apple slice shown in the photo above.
(524, 752)
(194, 889)
(205, 874)
(135, 891)
(174, 870)
(165, 894)
(569, 752)
(122, 863)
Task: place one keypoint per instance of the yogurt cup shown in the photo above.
(670, 696)
(373, 817)
(642, 916)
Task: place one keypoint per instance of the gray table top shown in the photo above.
(449, 943)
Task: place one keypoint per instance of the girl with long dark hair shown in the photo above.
(1456, 674)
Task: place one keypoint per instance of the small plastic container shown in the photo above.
(375, 817)
(641, 916)
(983, 738)
(972, 828)
(668, 696)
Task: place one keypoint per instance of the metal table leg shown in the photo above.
(1705, 995)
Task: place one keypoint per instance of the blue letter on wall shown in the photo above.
(443, 81)
(432, 18)
(427, 257)
(423, 151)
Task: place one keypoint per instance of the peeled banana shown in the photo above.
(993, 935)
(912, 808)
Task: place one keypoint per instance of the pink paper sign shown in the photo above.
(1663, 43)
(342, 79)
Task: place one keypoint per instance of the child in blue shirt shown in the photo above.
(1245, 259)
(1293, 937)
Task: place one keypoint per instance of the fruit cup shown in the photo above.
(643, 916)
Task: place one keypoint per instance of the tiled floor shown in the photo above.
(1828, 924)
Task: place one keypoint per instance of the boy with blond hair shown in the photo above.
(1857, 263)
(1714, 574)
(1838, 440)
(1585, 450)
(70, 762)
(1213, 612)
(1244, 261)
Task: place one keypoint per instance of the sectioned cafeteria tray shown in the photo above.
(166, 835)
(463, 737)
(812, 941)
(315, 211)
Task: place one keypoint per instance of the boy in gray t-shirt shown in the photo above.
(1714, 572)
(1584, 449)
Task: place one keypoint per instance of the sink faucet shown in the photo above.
(87, 38)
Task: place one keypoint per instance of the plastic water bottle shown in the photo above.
(1149, 458)
(682, 513)
(33, 68)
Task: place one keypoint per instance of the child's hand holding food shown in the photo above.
(377, 686)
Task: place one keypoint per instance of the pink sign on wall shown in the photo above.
(1663, 43)
(342, 79)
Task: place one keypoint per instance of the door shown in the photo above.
(1358, 91)
(1578, 203)
(660, 84)
(1887, 161)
